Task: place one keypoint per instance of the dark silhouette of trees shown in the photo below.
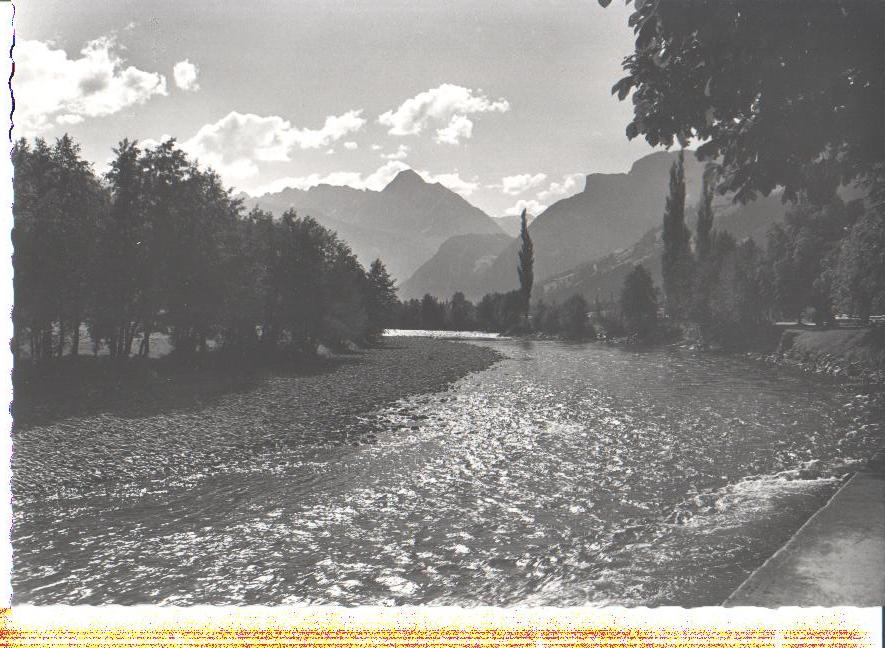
(639, 304)
(433, 313)
(461, 314)
(57, 210)
(161, 246)
(705, 264)
(858, 280)
(382, 299)
(773, 90)
(677, 259)
(803, 251)
(573, 320)
(525, 269)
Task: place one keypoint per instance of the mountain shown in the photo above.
(613, 211)
(512, 224)
(605, 276)
(458, 259)
(404, 224)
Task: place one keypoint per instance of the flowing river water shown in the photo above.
(564, 474)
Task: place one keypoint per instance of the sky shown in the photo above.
(506, 102)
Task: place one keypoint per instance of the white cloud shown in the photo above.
(185, 74)
(531, 206)
(571, 184)
(451, 181)
(50, 87)
(377, 147)
(351, 146)
(150, 142)
(516, 184)
(447, 104)
(401, 153)
(460, 127)
(234, 143)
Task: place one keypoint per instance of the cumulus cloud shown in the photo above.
(516, 184)
(234, 143)
(447, 105)
(351, 146)
(533, 207)
(460, 127)
(52, 88)
(570, 184)
(401, 153)
(185, 74)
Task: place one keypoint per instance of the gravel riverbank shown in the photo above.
(175, 426)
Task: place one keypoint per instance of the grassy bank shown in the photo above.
(853, 354)
(87, 426)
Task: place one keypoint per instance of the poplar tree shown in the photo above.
(526, 264)
(676, 261)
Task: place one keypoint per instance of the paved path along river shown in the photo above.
(564, 474)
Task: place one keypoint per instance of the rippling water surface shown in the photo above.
(565, 474)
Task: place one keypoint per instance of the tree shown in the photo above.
(461, 313)
(124, 260)
(432, 313)
(162, 246)
(573, 322)
(704, 264)
(381, 298)
(772, 89)
(676, 261)
(525, 270)
(705, 215)
(802, 252)
(859, 281)
(639, 303)
(736, 302)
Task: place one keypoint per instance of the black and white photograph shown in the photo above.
(524, 303)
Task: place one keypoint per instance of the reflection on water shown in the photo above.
(565, 474)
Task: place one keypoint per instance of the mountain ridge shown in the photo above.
(404, 223)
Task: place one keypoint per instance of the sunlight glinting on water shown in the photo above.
(565, 474)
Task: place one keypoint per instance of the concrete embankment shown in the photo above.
(836, 558)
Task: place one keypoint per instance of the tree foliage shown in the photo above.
(160, 245)
(773, 90)
(526, 266)
(639, 303)
(677, 258)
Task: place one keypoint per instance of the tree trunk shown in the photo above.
(131, 338)
(46, 343)
(75, 338)
(145, 348)
(61, 338)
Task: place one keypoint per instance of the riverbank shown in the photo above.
(857, 355)
(837, 558)
(89, 427)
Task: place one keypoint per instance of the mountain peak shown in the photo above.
(405, 178)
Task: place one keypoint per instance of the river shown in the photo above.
(566, 474)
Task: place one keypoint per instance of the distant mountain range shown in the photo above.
(604, 277)
(455, 265)
(512, 224)
(433, 241)
(404, 224)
